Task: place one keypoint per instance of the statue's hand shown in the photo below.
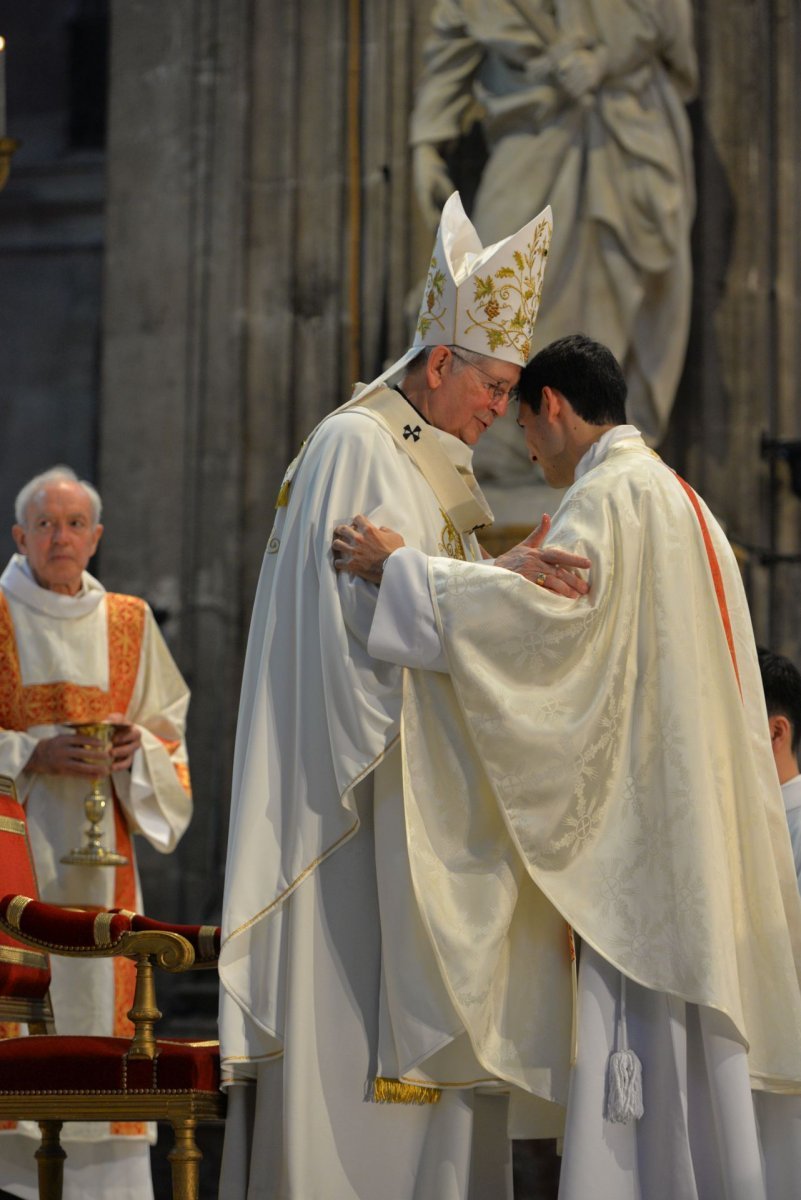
(432, 182)
(580, 72)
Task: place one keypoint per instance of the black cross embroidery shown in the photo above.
(408, 432)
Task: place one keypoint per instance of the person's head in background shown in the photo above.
(781, 681)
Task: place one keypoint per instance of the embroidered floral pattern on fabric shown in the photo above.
(434, 308)
(505, 303)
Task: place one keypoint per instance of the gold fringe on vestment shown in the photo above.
(392, 1091)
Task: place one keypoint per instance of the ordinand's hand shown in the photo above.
(362, 548)
(550, 568)
(70, 754)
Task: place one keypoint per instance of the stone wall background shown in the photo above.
(182, 300)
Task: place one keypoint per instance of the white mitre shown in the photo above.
(481, 298)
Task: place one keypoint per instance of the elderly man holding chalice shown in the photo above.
(91, 704)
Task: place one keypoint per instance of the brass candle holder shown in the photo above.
(7, 147)
(93, 853)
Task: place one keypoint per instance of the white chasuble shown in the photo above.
(79, 658)
(328, 978)
(622, 742)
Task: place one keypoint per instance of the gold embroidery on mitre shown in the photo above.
(433, 309)
(451, 543)
(393, 1091)
(506, 303)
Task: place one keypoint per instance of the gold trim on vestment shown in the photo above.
(394, 1091)
(371, 766)
(451, 543)
(11, 825)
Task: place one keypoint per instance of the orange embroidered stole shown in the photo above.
(717, 577)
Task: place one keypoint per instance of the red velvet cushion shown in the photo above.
(23, 972)
(62, 928)
(206, 947)
(98, 1064)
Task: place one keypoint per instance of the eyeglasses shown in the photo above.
(497, 390)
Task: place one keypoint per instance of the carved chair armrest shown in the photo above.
(78, 933)
(96, 932)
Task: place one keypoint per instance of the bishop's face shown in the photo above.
(59, 536)
(469, 398)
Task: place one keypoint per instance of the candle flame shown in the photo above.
(2, 44)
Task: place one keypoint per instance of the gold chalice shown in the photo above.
(93, 853)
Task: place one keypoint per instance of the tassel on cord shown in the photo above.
(624, 1074)
(393, 1091)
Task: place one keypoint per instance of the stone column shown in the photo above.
(173, 366)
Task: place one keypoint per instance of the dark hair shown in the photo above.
(782, 683)
(585, 372)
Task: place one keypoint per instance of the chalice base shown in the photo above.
(94, 856)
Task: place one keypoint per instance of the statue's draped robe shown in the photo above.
(616, 168)
(328, 979)
(74, 659)
(612, 754)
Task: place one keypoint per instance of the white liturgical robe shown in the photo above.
(615, 748)
(78, 658)
(329, 983)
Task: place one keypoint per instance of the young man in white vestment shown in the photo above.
(71, 653)
(781, 681)
(602, 765)
(335, 1023)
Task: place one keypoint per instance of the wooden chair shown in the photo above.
(52, 1078)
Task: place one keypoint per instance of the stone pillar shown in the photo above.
(172, 430)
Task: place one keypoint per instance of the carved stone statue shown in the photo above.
(582, 107)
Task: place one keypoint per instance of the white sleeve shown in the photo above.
(156, 793)
(404, 628)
